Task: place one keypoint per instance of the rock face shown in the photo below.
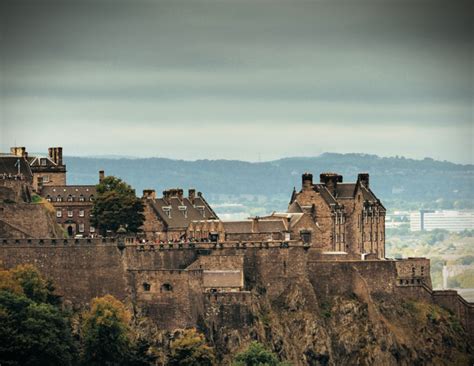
(354, 330)
(20, 218)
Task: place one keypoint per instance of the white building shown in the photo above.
(448, 220)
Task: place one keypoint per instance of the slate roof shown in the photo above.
(7, 166)
(181, 211)
(65, 191)
(345, 190)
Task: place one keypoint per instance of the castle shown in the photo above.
(196, 270)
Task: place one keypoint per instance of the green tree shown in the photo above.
(106, 333)
(256, 355)
(191, 350)
(32, 331)
(115, 205)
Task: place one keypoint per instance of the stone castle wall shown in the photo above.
(167, 283)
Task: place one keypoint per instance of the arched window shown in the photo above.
(59, 198)
(70, 198)
(91, 198)
(81, 198)
(166, 287)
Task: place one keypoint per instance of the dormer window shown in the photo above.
(70, 198)
(201, 210)
(59, 198)
(48, 198)
(81, 198)
(91, 198)
(43, 162)
(184, 210)
(167, 210)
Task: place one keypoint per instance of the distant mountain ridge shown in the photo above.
(390, 178)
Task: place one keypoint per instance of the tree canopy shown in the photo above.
(190, 349)
(106, 333)
(33, 330)
(256, 355)
(116, 204)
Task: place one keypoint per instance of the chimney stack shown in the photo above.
(56, 155)
(19, 151)
(101, 176)
(307, 181)
(330, 180)
(149, 194)
(191, 194)
(363, 178)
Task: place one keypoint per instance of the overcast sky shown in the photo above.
(250, 80)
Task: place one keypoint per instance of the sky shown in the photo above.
(249, 80)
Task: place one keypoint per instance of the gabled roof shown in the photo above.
(325, 194)
(178, 213)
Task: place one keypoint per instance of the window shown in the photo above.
(166, 287)
(91, 198)
(81, 198)
(59, 199)
(81, 213)
(92, 229)
(342, 238)
(167, 210)
(306, 236)
(48, 198)
(70, 198)
(43, 162)
(59, 213)
(146, 286)
(45, 178)
(337, 238)
(70, 213)
(81, 228)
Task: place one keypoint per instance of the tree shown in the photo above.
(191, 350)
(256, 355)
(115, 205)
(106, 333)
(32, 331)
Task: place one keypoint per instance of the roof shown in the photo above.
(345, 190)
(178, 213)
(64, 191)
(325, 194)
(265, 225)
(9, 166)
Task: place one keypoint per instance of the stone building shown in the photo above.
(73, 207)
(345, 217)
(167, 218)
(47, 170)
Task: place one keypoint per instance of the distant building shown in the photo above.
(454, 221)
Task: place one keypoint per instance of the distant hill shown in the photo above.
(391, 178)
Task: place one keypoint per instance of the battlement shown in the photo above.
(151, 246)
